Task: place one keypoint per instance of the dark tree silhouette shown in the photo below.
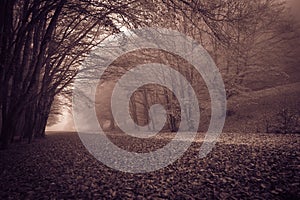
(42, 44)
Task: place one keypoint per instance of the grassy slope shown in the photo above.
(250, 111)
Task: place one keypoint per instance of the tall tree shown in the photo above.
(42, 44)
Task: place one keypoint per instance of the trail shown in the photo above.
(257, 166)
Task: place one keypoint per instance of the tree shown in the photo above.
(42, 45)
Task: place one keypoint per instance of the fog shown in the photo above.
(65, 123)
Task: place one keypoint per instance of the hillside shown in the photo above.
(248, 113)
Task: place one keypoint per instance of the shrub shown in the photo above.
(285, 121)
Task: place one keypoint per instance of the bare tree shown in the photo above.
(42, 44)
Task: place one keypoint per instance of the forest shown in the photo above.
(255, 45)
(44, 42)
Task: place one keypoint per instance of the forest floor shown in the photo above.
(241, 166)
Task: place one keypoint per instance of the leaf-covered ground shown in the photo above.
(241, 166)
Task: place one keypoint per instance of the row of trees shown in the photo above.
(144, 97)
(42, 45)
(245, 39)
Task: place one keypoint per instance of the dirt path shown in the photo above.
(257, 166)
